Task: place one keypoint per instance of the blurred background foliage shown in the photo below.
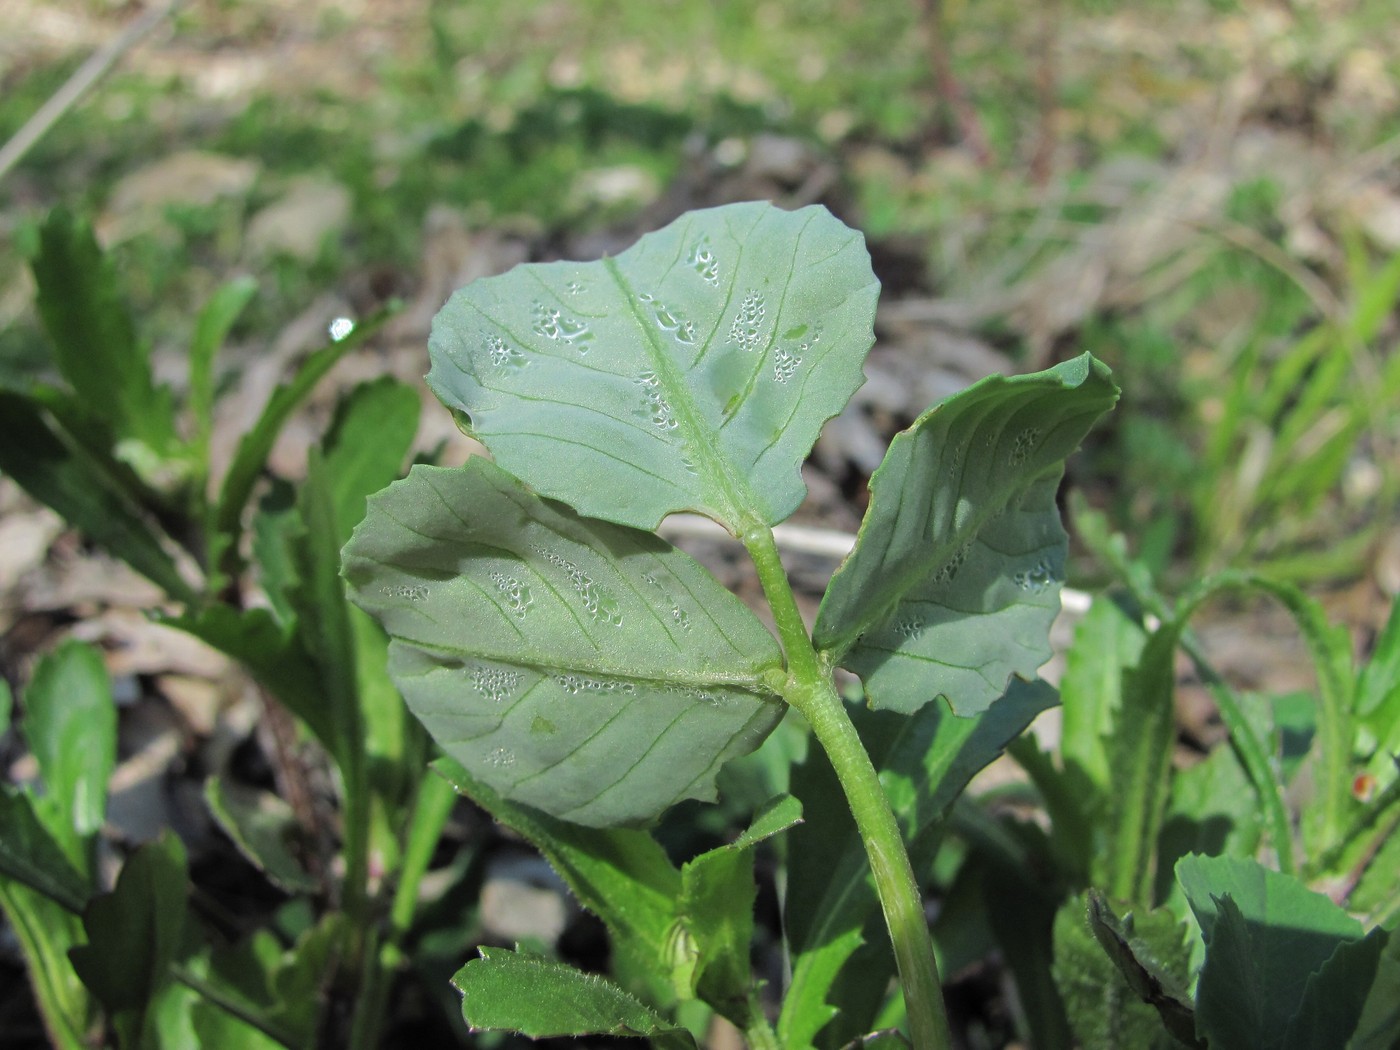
(1206, 194)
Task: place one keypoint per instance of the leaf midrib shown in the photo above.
(738, 507)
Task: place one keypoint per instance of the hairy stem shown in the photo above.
(810, 690)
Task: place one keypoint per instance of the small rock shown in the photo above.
(522, 898)
(299, 223)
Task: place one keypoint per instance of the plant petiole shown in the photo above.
(810, 690)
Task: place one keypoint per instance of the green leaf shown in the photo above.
(622, 876)
(1143, 954)
(323, 614)
(255, 446)
(1213, 810)
(70, 722)
(31, 856)
(1335, 996)
(95, 342)
(1378, 1027)
(925, 761)
(211, 329)
(589, 670)
(134, 933)
(366, 445)
(1378, 702)
(512, 991)
(955, 575)
(57, 473)
(46, 929)
(714, 915)
(263, 828)
(1140, 769)
(1106, 642)
(1266, 935)
(691, 372)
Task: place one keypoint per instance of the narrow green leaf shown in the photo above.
(70, 722)
(224, 308)
(540, 648)
(1106, 642)
(955, 575)
(57, 474)
(31, 856)
(925, 761)
(254, 448)
(516, 992)
(714, 916)
(691, 372)
(134, 933)
(46, 930)
(622, 876)
(1140, 770)
(95, 342)
(7, 705)
(366, 446)
(323, 614)
(1266, 935)
(1378, 702)
(263, 828)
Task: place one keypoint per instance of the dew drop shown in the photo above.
(494, 683)
(663, 417)
(501, 758)
(516, 594)
(1037, 579)
(502, 353)
(340, 329)
(949, 571)
(557, 326)
(1023, 446)
(680, 619)
(702, 261)
(746, 330)
(576, 288)
(414, 593)
(910, 627)
(597, 602)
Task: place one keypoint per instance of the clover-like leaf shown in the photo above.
(955, 576)
(586, 669)
(691, 372)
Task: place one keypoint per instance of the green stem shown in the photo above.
(809, 689)
(436, 797)
(383, 956)
(231, 1005)
(759, 1034)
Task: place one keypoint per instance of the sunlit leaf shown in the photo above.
(691, 372)
(589, 670)
(94, 338)
(956, 573)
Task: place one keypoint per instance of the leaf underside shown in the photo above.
(956, 573)
(589, 670)
(692, 372)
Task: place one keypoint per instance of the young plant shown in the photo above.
(584, 674)
(1309, 785)
(113, 453)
